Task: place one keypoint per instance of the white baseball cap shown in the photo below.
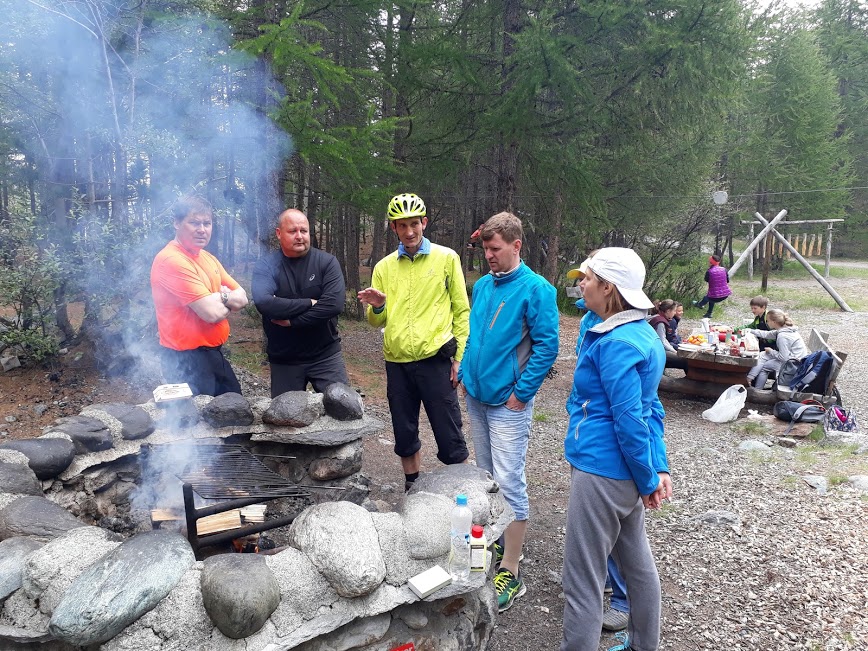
(625, 270)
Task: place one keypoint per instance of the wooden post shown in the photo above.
(755, 242)
(828, 251)
(807, 265)
(767, 263)
(750, 259)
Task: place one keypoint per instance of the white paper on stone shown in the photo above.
(170, 392)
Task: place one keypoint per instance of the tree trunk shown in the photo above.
(507, 167)
(550, 270)
(351, 269)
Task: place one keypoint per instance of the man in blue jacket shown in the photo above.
(512, 345)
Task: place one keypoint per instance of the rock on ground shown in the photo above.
(128, 582)
(239, 593)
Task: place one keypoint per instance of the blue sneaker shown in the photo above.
(623, 643)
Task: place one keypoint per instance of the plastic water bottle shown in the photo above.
(459, 556)
(478, 549)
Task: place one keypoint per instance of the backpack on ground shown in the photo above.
(809, 411)
(813, 373)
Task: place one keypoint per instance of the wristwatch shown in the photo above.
(224, 296)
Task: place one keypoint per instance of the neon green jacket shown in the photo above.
(426, 303)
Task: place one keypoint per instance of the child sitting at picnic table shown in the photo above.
(662, 324)
(789, 341)
(675, 321)
(758, 305)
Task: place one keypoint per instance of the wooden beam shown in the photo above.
(756, 241)
(807, 265)
(711, 391)
(800, 221)
(828, 252)
(750, 259)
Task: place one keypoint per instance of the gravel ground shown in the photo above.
(790, 573)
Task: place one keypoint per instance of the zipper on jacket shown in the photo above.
(584, 416)
(496, 314)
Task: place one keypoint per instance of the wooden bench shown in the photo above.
(818, 340)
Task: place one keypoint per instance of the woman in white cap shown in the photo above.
(615, 445)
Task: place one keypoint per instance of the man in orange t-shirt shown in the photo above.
(193, 295)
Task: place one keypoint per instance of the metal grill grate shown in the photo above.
(230, 471)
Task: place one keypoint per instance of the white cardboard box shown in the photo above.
(170, 392)
(429, 581)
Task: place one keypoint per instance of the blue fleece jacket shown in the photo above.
(513, 338)
(589, 320)
(616, 418)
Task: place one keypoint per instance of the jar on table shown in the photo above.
(735, 347)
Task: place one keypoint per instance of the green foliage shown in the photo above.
(785, 138)
(817, 433)
(35, 343)
(29, 272)
(752, 429)
(540, 416)
(597, 123)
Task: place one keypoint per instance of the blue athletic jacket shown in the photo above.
(616, 419)
(589, 320)
(513, 338)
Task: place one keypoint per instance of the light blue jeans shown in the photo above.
(500, 439)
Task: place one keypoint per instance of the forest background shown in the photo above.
(598, 122)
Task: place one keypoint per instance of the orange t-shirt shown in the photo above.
(178, 278)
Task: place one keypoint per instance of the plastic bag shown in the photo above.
(728, 405)
(751, 343)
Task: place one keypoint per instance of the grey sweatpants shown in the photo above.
(606, 516)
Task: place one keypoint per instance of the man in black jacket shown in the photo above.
(300, 292)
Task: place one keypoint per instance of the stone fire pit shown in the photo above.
(81, 567)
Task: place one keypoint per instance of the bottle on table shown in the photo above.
(478, 549)
(459, 555)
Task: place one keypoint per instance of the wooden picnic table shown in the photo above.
(719, 368)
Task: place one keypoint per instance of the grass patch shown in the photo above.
(751, 429)
(791, 481)
(793, 270)
(806, 454)
(762, 457)
(666, 510)
(815, 298)
(248, 356)
(541, 416)
(817, 434)
(837, 462)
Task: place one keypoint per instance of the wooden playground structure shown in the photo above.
(772, 239)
